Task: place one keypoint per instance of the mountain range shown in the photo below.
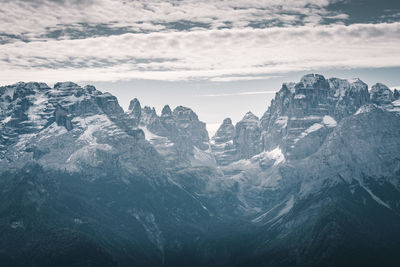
(315, 181)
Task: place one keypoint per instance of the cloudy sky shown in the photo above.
(220, 57)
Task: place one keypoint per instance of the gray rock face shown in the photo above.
(225, 132)
(302, 114)
(61, 117)
(346, 96)
(242, 141)
(176, 134)
(150, 119)
(381, 94)
(222, 145)
(396, 94)
(189, 124)
(166, 111)
(180, 123)
(135, 110)
(65, 127)
(247, 136)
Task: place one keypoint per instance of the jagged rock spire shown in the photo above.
(135, 108)
(225, 132)
(247, 135)
(166, 111)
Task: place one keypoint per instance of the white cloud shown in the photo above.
(242, 93)
(210, 54)
(240, 78)
(33, 19)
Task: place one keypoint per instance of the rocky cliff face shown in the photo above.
(222, 143)
(300, 116)
(381, 94)
(303, 114)
(241, 141)
(178, 135)
(67, 127)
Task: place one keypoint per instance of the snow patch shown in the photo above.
(6, 120)
(312, 128)
(275, 154)
(288, 206)
(367, 108)
(51, 131)
(202, 158)
(329, 121)
(149, 135)
(306, 118)
(299, 96)
(72, 99)
(353, 80)
(262, 216)
(91, 125)
(87, 155)
(395, 107)
(375, 197)
(396, 103)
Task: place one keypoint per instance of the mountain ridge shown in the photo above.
(157, 186)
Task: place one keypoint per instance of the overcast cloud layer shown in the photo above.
(111, 40)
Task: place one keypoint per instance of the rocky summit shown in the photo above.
(314, 181)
